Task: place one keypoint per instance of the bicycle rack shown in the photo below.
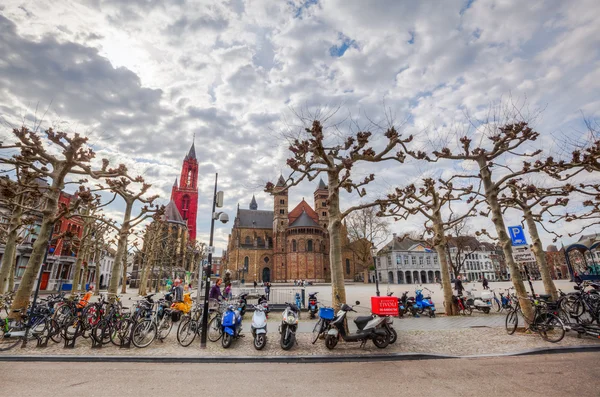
(126, 342)
(588, 329)
(95, 343)
(42, 341)
(70, 342)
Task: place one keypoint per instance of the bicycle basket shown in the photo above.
(326, 313)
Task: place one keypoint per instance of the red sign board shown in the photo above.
(384, 305)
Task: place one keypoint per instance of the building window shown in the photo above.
(248, 240)
(435, 260)
(246, 260)
(324, 213)
(428, 260)
(406, 260)
(398, 259)
(413, 260)
(281, 201)
(347, 266)
(294, 246)
(310, 246)
(282, 211)
(420, 260)
(324, 204)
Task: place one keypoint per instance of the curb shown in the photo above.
(290, 359)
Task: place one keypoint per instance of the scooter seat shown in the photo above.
(544, 297)
(361, 320)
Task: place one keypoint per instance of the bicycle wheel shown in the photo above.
(120, 331)
(550, 327)
(186, 332)
(511, 322)
(63, 315)
(144, 333)
(496, 305)
(102, 332)
(317, 331)
(214, 329)
(164, 326)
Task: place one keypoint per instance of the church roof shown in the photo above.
(300, 208)
(304, 220)
(253, 204)
(192, 153)
(256, 219)
(280, 181)
(175, 184)
(322, 185)
(172, 213)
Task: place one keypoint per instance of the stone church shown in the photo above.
(279, 245)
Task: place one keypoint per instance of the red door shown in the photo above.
(45, 278)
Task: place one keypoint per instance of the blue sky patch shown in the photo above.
(339, 50)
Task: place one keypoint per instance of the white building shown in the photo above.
(107, 261)
(476, 258)
(406, 261)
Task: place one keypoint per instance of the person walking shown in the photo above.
(227, 292)
(268, 290)
(485, 283)
(215, 291)
(255, 284)
(458, 286)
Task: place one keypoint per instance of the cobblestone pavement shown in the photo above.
(463, 341)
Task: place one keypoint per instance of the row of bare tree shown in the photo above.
(507, 171)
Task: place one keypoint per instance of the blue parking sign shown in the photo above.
(517, 235)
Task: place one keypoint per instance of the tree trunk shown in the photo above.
(11, 277)
(491, 194)
(77, 270)
(124, 275)
(540, 255)
(440, 240)
(39, 250)
(121, 249)
(10, 248)
(335, 243)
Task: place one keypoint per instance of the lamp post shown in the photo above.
(217, 203)
(374, 254)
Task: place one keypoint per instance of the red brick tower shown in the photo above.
(185, 195)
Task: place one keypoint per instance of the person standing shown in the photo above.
(215, 291)
(227, 292)
(485, 283)
(255, 284)
(268, 290)
(177, 290)
(458, 286)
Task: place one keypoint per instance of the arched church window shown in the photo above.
(248, 240)
(294, 247)
(347, 266)
(189, 178)
(246, 260)
(310, 246)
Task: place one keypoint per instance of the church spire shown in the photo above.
(175, 184)
(192, 153)
(253, 204)
(280, 181)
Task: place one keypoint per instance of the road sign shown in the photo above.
(517, 235)
(523, 254)
(211, 250)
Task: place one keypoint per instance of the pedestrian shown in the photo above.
(215, 291)
(255, 284)
(485, 283)
(458, 286)
(177, 290)
(227, 292)
(268, 290)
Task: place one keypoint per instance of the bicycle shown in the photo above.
(35, 324)
(190, 326)
(326, 315)
(156, 325)
(549, 326)
(215, 331)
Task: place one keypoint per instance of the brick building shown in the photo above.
(185, 192)
(280, 245)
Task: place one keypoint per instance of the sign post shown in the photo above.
(521, 252)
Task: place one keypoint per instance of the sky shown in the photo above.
(142, 78)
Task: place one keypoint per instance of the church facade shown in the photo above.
(185, 192)
(279, 245)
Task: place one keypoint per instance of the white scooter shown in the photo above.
(482, 303)
(259, 326)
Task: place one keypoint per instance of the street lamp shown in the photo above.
(224, 218)
(374, 254)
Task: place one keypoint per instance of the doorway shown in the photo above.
(266, 275)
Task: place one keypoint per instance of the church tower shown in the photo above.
(321, 205)
(185, 194)
(280, 224)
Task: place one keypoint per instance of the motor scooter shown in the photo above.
(242, 303)
(484, 305)
(289, 326)
(424, 304)
(313, 306)
(232, 325)
(259, 326)
(403, 304)
(369, 328)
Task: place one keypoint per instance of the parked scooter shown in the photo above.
(289, 326)
(232, 325)
(313, 306)
(424, 304)
(259, 326)
(369, 328)
(483, 304)
(242, 303)
(403, 304)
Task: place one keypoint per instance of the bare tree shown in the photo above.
(55, 157)
(365, 230)
(313, 155)
(463, 243)
(430, 200)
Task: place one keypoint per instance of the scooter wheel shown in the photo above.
(393, 335)
(260, 341)
(381, 341)
(286, 344)
(227, 340)
(331, 341)
(486, 310)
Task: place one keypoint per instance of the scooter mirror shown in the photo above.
(358, 302)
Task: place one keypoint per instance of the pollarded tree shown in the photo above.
(506, 140)
(55, 156)
(463, 244)
(535, 202)
(433, 200)
(365, 231)
(314, 155)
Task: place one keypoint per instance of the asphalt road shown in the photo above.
(574, 374)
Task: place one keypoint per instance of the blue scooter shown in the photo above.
(232, 326)
(423, 304)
